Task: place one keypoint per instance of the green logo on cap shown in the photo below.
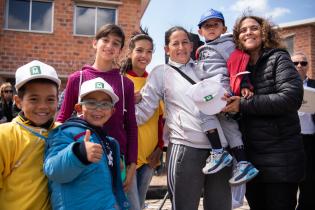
(99, 85)
(208, 98)
(35, 70)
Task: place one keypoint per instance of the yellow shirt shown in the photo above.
(148, 132)
(23, 184)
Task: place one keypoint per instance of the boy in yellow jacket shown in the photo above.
(23, 184)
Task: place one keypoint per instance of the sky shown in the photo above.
(164, 14)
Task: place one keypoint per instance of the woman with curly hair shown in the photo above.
(269, 120)
(6, 103)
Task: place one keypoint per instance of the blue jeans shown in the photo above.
(139, 187)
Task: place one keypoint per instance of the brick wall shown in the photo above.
(304, 40)
(61, 48)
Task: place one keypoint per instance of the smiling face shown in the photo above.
(108, 48)
(212, 29)
(141, 55)
(179, 47)
(250, 36)
(98, 116)
(37, 105)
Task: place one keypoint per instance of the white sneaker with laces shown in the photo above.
(216, 161)
(244, 172)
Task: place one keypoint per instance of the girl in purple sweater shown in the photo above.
(108, 44)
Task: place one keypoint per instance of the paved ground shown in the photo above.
(156, 204)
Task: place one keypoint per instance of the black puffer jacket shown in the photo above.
(270, 123)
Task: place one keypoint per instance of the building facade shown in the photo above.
(59, 32)
(300, 36)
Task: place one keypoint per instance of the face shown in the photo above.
(96, 116)
(141, 55)
(38, 106)
(179, 48)
(7, 93)
(108, 48)
(250, 35)
(300, 62)
(212, 29)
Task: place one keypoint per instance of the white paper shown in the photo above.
(308, 104)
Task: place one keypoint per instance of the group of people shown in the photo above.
(104, 156)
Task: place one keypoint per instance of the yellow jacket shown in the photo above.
(23, 184)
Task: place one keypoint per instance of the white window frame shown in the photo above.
(95, 20)
(30, 18)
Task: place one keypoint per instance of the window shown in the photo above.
(289, 43)
(89, 19)
(29, 15)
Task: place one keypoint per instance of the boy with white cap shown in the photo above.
(23, 185)
(82, 161)
(212, 61)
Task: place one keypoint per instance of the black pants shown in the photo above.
(271, 196)
(307, 187)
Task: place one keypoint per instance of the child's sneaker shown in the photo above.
(244, 172)
(216, 161)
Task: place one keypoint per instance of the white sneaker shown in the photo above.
(244, 172)
(216, 161)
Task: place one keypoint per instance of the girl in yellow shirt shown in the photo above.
(150, 143)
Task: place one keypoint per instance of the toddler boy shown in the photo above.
(212, 60)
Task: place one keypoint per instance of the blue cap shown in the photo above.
(210, 14)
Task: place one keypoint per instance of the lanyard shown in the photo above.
(108, 151)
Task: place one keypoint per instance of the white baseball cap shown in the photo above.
(97, 84)
(35, 70)
(207, 96)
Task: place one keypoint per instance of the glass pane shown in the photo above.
(105, 16)
(18, 17)
(85, 21)
(289, 42)
(41, 16)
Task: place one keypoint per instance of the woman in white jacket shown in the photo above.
(189, 146)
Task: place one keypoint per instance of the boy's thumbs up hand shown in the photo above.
(94, 151)
(87, 135)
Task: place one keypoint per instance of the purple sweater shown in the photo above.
(122, 127)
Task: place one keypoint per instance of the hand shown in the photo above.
(131, 170)
(94, 151)
(233, 104)
(154, 158)
(247, 93)
(137, 97)
(226, 96)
